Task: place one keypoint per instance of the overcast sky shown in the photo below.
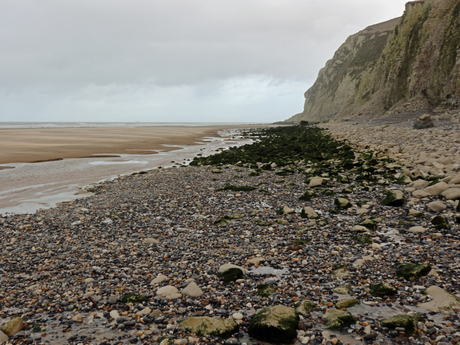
(170, 60)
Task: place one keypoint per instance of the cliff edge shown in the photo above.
(407, 63)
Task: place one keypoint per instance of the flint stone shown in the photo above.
(238, 316)
(255, 260)
(436, 206)
(159, 279)
(192, 290)
(144, 311)
(151, 241)
(114, 314)
(169, 292)
(417, 229)
(12, 327)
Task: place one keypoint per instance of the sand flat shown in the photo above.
(43, 144)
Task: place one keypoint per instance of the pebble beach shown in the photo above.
(162, 236)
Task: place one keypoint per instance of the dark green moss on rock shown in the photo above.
(408, 322)
(133, 298)
(382, 289)
(411, 271)
(347, 303)
(264, 290)
(205, 325)
(394, 198)
(338, 319)
(304, 307)
(276, 324)
(231, 275)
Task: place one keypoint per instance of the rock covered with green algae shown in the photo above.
(382, 289)
(342, 290)
(411, 271)
(342, 203)
(275, 324)
(265, 290)
(369, 224)
(338, 319)
(304, 307)
(347, 303)
(12, 327)
(408, 322)
(206, 325)
(394, 198)
(231, 275)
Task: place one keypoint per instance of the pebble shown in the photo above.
(161, 239)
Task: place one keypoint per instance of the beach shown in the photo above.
(308, 235)
(44, 166)
(26, 145)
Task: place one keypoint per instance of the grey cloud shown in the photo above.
(67, 45)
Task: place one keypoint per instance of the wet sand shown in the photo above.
(115, 151)
(48, 144)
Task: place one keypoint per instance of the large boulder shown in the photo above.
(347, 303)
(408, 322)
(436, 206)
(394, 198)
(440, 299)
(437, 188)
(412, 271)
(275, 324)
(12, 327)
(338, 319)
(451, 194)
(231, 274)
(205, 325)
(423, 122)
(440, 222)
(382, 289)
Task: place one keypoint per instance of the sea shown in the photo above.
(29, 187)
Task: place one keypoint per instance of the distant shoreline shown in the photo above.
(27, 145)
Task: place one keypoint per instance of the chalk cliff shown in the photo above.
(407, 63)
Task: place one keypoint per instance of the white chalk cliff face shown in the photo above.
(407, 63)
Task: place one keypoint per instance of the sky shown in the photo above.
(170, 60)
